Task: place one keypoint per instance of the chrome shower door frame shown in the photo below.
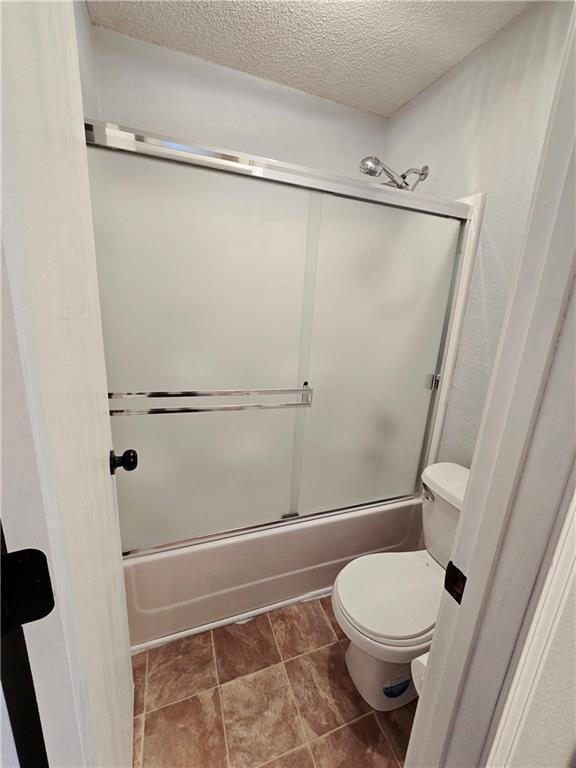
(468, 212)
(116, 137)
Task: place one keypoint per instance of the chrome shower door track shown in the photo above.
(260, 527)
(116, 137)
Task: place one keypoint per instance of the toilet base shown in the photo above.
(382, 684)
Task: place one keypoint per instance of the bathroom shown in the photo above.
(306, 223)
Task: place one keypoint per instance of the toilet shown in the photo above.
(387, 603)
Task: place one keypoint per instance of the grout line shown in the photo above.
(306, 653)
(314, 764)
(250, 674)
(327, 620)
(275, 638)
(228, 761)
(219, 691)
(340, 639)
(247, 674)
(300, 719)
(344, 725)
(271, 625)
(185, 698)
(144, 710)
(284, 754)
(388, 741)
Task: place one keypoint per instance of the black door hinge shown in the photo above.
(454, 582)
(26, 588)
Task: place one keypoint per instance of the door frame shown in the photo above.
(57, 493)
(559, 581)
(522, 476)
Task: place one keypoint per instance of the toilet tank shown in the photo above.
(444, 486)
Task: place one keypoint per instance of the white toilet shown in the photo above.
(387, 603)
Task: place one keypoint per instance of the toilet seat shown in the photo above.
(391, 599)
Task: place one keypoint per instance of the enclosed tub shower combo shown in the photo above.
(275, 341)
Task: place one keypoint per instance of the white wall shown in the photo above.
(548, 735)
(145, 86)
(480, 128)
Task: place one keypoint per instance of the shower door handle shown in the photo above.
(303, 393)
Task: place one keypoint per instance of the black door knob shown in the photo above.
(128, 461)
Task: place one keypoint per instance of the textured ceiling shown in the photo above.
(370, 54)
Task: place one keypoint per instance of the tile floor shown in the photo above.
(273, 692)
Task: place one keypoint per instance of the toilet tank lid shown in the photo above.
(448, 481)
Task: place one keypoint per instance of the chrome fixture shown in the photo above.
(109, 136)
(373, 166)
(305, 400)
(427, 493)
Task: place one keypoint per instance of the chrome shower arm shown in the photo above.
(422, 174)
(396, 180)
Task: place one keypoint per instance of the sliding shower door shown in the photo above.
(383, 279)
(201, 282)
(215, 281)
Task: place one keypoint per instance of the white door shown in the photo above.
(58, 494)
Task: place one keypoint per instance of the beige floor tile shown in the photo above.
(188, 734)
(397, 725)
(245, 648)
(180, 669)
(326, 603)
(260, 717)
(358, 745)
(137, 741)
(139, 675)
(299, 758)
(301, 627)
(324, 693)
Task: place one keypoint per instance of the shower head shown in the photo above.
(373, 166)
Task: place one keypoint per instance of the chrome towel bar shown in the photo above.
(305, 401)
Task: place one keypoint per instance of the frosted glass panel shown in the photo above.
(382, 287)
(202, 473)
(211, 280)
(201, 282)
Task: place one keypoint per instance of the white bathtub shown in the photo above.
(191, 588)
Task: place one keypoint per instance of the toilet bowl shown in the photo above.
(387, 603)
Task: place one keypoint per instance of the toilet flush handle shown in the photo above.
(427, 493)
